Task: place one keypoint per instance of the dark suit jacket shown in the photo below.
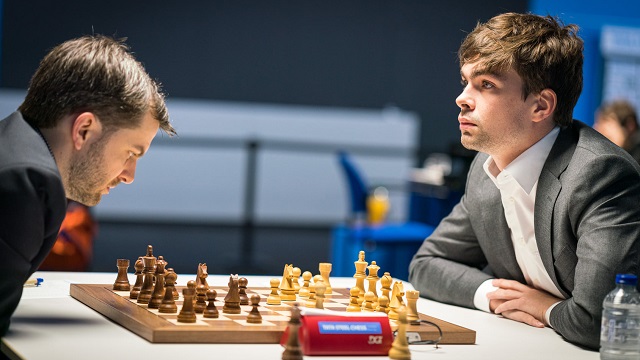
(32, 207)
(587, 226)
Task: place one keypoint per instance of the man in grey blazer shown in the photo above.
(551, 208)
(90, 113)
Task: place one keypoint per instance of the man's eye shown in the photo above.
(463, 82)
(487, 85)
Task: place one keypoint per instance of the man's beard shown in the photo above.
(86, 176)
(477, 140)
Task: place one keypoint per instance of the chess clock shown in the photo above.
(326, 332)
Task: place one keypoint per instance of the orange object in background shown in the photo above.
(73, 249)
(378, 206)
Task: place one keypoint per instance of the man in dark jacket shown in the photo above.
(90, 113)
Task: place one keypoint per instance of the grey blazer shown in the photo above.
(32, 207)
(587, 226)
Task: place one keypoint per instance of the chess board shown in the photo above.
(159, 327)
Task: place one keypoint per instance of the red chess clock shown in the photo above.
(326, 332)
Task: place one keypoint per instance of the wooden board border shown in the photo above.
(156, 329)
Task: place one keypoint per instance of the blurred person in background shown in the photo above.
(618, 121)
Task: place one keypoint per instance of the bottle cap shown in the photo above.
(627, 279)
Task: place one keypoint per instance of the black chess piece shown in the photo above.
(211, 311)
(254, 316)
(242, 291)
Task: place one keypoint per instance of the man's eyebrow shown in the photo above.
(483, 71)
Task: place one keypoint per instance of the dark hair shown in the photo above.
(98, 74)
(545, 53)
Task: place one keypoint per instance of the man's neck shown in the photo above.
(505, 158)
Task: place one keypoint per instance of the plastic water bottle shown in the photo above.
(620, 330)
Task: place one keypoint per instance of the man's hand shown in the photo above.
(520, 302)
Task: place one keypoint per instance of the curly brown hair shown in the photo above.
(544, 52)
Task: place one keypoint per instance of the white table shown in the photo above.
(49, 324)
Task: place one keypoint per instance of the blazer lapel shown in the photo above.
(498, 233)
(549, 187)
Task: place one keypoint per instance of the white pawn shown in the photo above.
(296, 278)
(400, 346)
(383, 304)
(320, 290)
(311, 301)
(353, 304)
(274, 297)
(304, 290)
(367, 305)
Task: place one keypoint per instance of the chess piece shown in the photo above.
(160, 260)
(274, 297)
(201, 298)
(383, 304)
(320, 291)
(372, 280)
(176, 296)
(353, 303)
(135, 290)
(396, 301)
(158, 291)
(149, 262)
(296, 278)
(360, 275)
(306, 279)
(386, 281)
(187, 314)
(325, 270)
(367, 305)
(287, 292)
(122, 281)
(232, 300)
(311, 300)
(211, 311)
(292, 350)
(201, 275)
(168, 304)
(400, 346)
(412, 308)
(254, 316)
(242, 291)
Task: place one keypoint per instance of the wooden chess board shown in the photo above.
(159, 327)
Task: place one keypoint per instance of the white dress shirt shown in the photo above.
(518, 184)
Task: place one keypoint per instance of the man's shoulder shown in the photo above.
(15, 131)
(594, 151)
(21, 146)
(590, 144)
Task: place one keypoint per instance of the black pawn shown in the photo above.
(242, 291)
(187, 314)
(254, 316)
(135, 290)
(201, 298)
(211, 311)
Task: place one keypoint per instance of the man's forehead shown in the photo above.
(472, 70)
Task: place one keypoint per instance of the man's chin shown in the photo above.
(87, 200)
(467, 142)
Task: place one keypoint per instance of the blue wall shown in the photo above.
(591, 16)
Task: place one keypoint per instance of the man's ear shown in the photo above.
(631, 125)
(546, 102)
(85, 128)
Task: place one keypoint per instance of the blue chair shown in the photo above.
(390, 245)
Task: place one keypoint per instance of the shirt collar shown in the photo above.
(526, 168)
